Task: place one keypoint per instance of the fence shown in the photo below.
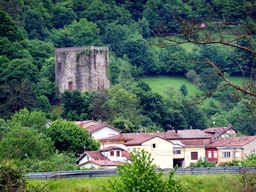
(107, 173)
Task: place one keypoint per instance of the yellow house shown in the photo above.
(160, 149)
(234, 148)
(194, 149)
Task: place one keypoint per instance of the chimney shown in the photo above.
(176, 131)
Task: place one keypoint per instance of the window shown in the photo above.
(111, 153)
(118, 153)
(194, 156)
(70, 86)
(209, 154)
(215, 154)
(236, 153)
(225, 154)
(154, 145)
(176, 151)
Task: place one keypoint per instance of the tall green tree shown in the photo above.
(8, 28)
(35, 120)
(78, 33)
(76, 105)
(122, 103)
(21, 143)
(69, 137)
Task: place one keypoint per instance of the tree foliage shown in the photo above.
(142, 175)
(69, 137)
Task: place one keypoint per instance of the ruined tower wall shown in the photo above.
(81, 68)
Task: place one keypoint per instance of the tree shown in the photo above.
(142, 175)
(4, 129)
(183, 89)
(78, 33)
(16, 145)
(35, 120)
(122, 103)
(69, 137)
(8, 28)
(62, 15)
(76, 105)
(210, 32)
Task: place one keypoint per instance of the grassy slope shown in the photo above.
(160, 84)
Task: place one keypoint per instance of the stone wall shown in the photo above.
(81, 68)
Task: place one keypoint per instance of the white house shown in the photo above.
(106, 158)
(98, 130)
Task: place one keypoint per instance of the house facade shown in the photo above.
(230, 149)
(98, 130)
(105, 158)
(160, 149)
(221, 132)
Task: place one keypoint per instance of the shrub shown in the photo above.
(11, 177)
(191, 76)
(203, 163)
(142, 176)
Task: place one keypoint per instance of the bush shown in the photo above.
(191, 76)
(203, 163)
(142, 176)
(11, 177)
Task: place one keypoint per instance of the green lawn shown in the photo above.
(160, 84)
(191, 183)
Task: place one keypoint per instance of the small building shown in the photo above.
(221, 132)
(160, 149)
(194, 149)
(233, 148)
(98, 130)
(105, 158)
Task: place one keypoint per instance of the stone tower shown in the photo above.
(81, 68)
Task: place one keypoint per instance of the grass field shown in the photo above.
(191, 183)
(160, 84)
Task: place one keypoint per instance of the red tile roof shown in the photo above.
(191, 134)
(131, 136)
(231, 141)
(218, 131)
(195, 142)
(112, 148)
(102, 162)
(93, 126)
(126, 154)
(93, 154)
(140, 140)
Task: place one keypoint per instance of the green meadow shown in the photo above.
(161, 84)
(191, 183)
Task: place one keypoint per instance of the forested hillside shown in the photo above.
(30, 30)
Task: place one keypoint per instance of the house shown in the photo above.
(170, 135)
(178, 153)
(160, 149)
(232, 148)
(190, 134)
(179, 150)
(107, 157)
(194, 149)
(217, 132)
(100, 164)
(98, 130)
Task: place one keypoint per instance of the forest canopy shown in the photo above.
(31, 30)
